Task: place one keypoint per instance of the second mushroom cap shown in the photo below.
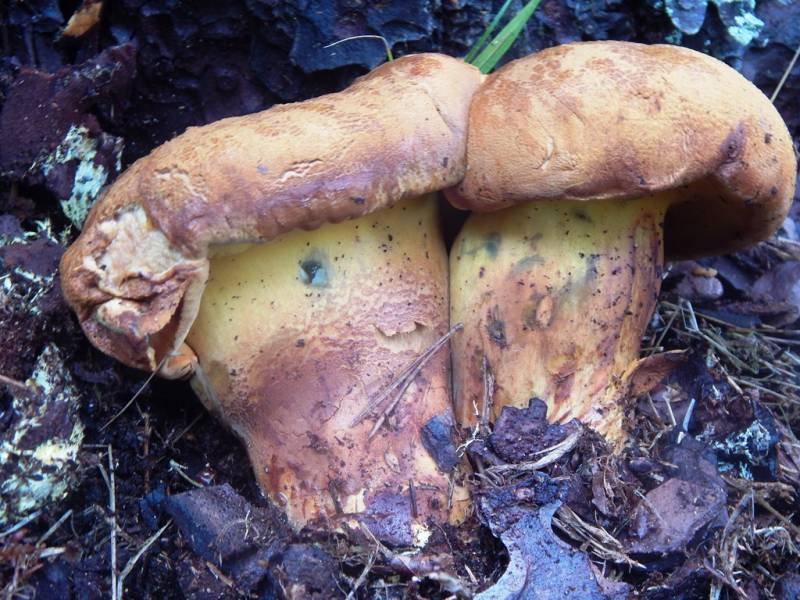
(578, 154)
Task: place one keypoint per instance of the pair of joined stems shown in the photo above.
(295, 336)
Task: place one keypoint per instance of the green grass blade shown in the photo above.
(487, 32)
(492, 54)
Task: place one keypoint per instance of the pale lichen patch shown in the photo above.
(21, 288)
(421, 534)
(90, 176)
(38, 452)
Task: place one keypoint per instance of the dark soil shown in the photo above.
(701, 504)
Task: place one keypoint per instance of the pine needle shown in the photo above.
(785, 76)
(389, 56)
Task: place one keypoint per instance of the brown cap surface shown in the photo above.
(606, 120)
(136, 273)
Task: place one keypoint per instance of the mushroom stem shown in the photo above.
(556, 295)
(295, 336)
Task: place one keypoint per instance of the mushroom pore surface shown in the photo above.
(595, 146)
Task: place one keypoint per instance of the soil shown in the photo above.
(702, 502)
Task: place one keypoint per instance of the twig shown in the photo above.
(363, 577)
(781, 340)
(666, 330)
(655, 410)
(653, 510)
(472, 577)
(554, 453)
(186, 429)
(713, 342)
(54, 528)
(19, 386)
(761, 330)
(692, 325)
(687, 418)
(333, 491)
(387, 554)
(50, 552)
(395, 401)
(783, 490)
(669, 412)
(748, 497)
(179, 469)
(599, 541)
(716, 573)
(750, 384)
(785, 76)
(488, 395)
(21, 524)
(775, 513)
(137, 394)
(135, 558)
(220, 575)
(116, 592)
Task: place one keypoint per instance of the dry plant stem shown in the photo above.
(556, 296)
(363, 576)
(294, 337)
(785, 75)
(595, 539)
(17, 526)
(110, 480)
(17, 386)
(135, 558)
(488, 395)
(758, 358)
(135, 396)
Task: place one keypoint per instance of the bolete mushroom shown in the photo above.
(587, 163)
(292, 337)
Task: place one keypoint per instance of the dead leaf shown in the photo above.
(646, 373)
(540, 565)
(83, 19)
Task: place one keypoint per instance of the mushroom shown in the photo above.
(587, 164)
(198, 262)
